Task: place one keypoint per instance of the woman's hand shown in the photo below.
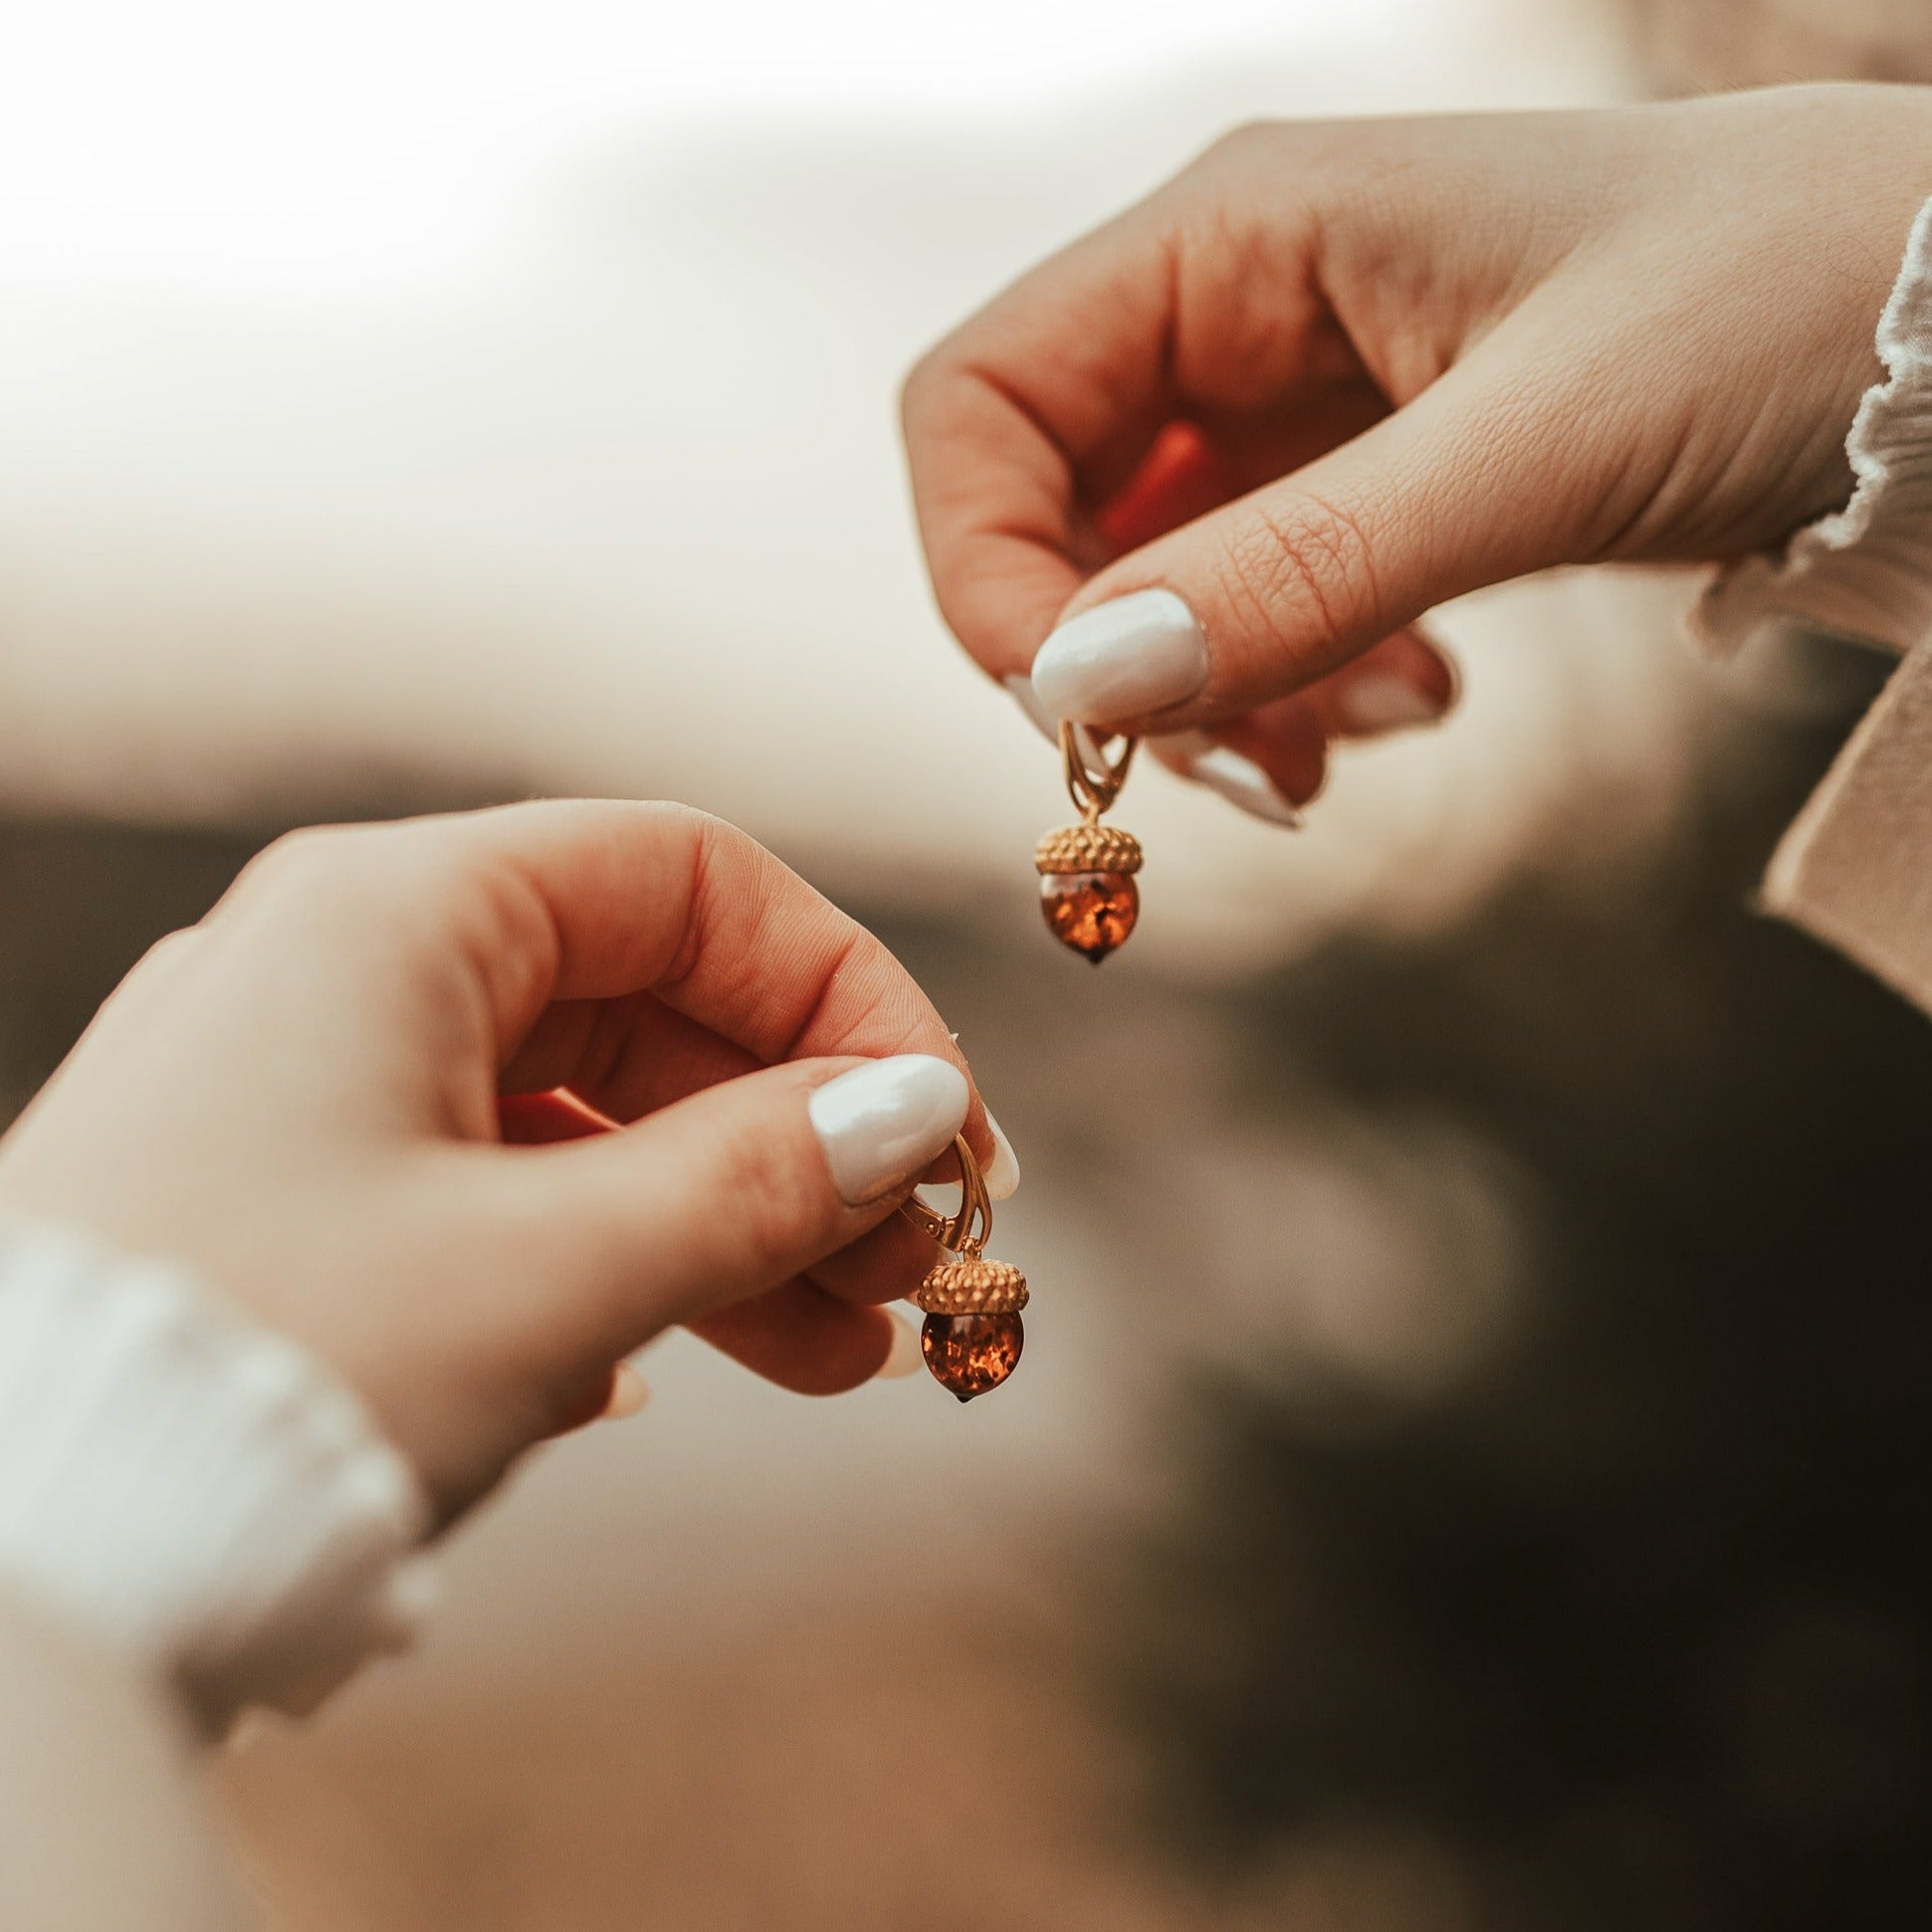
(1222, 452)
(299, 1098)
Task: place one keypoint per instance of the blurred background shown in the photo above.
(1476, 1392)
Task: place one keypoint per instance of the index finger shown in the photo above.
(663, 899)
(1024, 417)
(525, 906)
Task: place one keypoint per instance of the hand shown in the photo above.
(299, 1098)
(1221, 454)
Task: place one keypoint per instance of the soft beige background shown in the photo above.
(513, 408)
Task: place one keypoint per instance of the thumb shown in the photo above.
(726, 1194)
(1460, 489)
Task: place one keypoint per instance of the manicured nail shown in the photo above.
(1003, 1170)
(629, 1392)
(905, 1357)
(886, 1121)
(1378, 702)
(1020, 689)
(1138, 653)
(1239, 780)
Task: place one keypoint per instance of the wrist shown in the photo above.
(1864, 572)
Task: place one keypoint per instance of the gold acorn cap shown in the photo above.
(1088, 848)
(972, 1285)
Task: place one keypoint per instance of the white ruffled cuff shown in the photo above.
(194, 1489)
(1853, 868)
(1864, 572)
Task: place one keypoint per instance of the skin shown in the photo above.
(1378, 364)
(303, 1098)
(1331, 375)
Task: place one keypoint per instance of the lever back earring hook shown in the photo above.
(967, 1231)
(1094, 779)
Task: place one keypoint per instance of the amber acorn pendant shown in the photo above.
(1087, 888)
(972, 1335)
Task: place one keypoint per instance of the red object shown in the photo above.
(534, 1120)
(1178, 479)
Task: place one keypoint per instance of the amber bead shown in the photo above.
(970, 1354)
(1092, 911)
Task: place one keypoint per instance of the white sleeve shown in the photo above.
(1854, 869)
(197, 1491)
(1866, 572)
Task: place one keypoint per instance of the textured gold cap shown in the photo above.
(973, 1286)
(1088, 848)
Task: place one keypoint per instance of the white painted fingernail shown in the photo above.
(905, 1357)
(1020, 689)
(407, 1601)
(1379, 702)
(886, 1121)
(1138, 653)
(629, 1392)
(1003, 1170)
(1239, 780)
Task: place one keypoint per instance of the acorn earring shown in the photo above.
(1087, 889)
(972, 1335)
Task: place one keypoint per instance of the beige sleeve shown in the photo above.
(1855, 868)
(100, 1822)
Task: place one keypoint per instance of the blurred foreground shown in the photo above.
(1461, 1475)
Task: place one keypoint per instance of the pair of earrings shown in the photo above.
(972, 1335)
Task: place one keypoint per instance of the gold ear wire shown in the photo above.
(955, 1232)
(1093, 787)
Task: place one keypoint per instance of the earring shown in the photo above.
(972, 1336)
(1087, 889)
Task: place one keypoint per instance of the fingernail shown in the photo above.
(629, 1392)
(408, 1600)
(1379, 702)
(886, 1121)
(905, 1357)
(1003, 1170)
(1020, 689)
(1239, 780)
(1138, 653)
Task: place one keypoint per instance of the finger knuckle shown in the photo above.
(780, 1194)
(167, 954)
(1237, 156)
(168, 949)
(718, 857)
(395, 876)
(921, 387)
(305, 858)
(1303, 574)
(1238, 145)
